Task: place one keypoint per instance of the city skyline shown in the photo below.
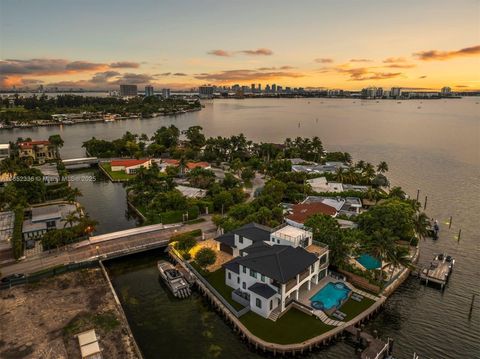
(345, 44)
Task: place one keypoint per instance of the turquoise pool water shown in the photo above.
(369, 262)
(330, 296)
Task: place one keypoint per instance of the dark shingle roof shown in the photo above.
(256, 247)
(280, 263)
(227, 238)
(232, 265)
(253, 231)
(262, 290)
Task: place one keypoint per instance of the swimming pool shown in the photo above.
(369, 262)
(330, 296)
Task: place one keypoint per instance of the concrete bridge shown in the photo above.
(80, 162)
(110, 245)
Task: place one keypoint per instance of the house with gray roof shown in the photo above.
(270, 267)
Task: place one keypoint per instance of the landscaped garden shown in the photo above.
(353, 308)
(292, 327)
(116, 175)
(217, 280)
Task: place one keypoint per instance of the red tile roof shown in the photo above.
(192, 165)
(170, 161)
(128, 162)
(30, 144)
(301, 212)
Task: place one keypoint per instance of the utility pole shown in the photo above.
(418, 194)
(450, 222)
(425, 205)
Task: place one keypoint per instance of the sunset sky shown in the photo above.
(182, 44)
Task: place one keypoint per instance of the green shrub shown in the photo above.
(17, 240)
(205, 257)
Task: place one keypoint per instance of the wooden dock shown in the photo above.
(437, 272)
(374, 348)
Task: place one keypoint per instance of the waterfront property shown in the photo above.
(129, 166)
(299, 213)
(163, 163)
(38, 151)
(321, 184)
(328, 167)
(271, 266)
(331, 296)
(49, 172)
(349, 206)
(41, 219)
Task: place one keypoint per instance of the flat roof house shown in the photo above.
(130, 166)
(46, 218)
(349, 206)
(271, 266)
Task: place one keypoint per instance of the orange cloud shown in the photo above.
(323, 60)
(245, 75)
(360, 60)
(392, 60)
(257, 52)
(432, 55)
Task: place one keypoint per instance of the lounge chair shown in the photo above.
(341, 313)
(337, 316)
(355, 298)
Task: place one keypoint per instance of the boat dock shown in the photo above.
(374, 348)
(438, 271)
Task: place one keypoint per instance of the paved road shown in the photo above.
(107, 248)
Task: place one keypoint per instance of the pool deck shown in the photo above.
(305, 295)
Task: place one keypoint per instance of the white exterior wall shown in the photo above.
(291, 241)
(246, 242)
(264, 311)
(232, 282)
(118, 168)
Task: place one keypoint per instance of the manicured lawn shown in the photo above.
(217, 280)
(293, 327)
(116, 175)
(352, 308)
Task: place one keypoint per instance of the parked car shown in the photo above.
(11, 277)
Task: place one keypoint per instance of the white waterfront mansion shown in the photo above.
(271, 266)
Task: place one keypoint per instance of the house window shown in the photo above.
(244, 285)
(240, 239)
(271, 304)
(244, 269)
(253, 273)
(262, 278)
(229, 275)
(323, 259)
(238, 279)
(258, 303)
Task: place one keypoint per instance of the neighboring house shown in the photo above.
(49, 172)
(349, 206)
(192, 192)
(39, 151)
(329, 167)
(320, 184)
(298, 161)
(130, 166)
(46, 218)
(299, 213)
(164, 163)
(4, 150)
(271, 266)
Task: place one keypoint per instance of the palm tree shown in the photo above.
(369, 172)
(399, 257)
(382, 167)
(70, 219)
(73, 194)
(397, 192)
(182, 164)
(339, 175)
(421, 224)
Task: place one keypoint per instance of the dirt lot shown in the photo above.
(41, 320)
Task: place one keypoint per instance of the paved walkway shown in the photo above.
(104, 249)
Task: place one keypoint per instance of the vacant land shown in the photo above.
(41, 320)
(116, 175)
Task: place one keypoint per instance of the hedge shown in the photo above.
(17, 240)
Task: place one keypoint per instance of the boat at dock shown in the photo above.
(439, 270)
(175, 281)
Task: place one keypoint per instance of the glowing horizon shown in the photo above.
(343, 44)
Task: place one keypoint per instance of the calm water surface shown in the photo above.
(430, 145)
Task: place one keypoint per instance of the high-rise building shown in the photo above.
(446, 91)
(267, 88)
(205, 91)
(259, 88)
(395, 92)
(128, 90)
(252, 88)
(379, 93)
(149, 91)
(165, 93)
(274, 88)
